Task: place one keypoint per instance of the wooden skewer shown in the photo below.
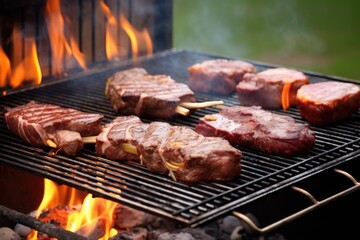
(91, 139)
(108, 81)
(194, 105)
(182, 111)
(183, 108)
(51, 143)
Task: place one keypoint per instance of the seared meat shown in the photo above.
(121, 130)
(195, 158)
(69, 141)
(189, 156)
(324, 103)
(253, 127)
(265, 88)
(153, 139)
(135, 92)
(219, 76)
(37, 123)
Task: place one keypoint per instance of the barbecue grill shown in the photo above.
(308, 181)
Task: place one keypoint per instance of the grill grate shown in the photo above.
(131, 184)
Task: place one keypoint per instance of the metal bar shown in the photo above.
(316, 204)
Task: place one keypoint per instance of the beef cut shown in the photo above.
(325, 103)
(121, 130)
(218, 76)
(155, 136)
(163, 148)
(195, 158)
(135, 92)
(37, 123)
(252, 127)
(271, 89)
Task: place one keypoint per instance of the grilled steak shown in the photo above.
(121, 130)
(324, 103)
(69, 142)
(36, 123)
(187, 155)
(194, 158)
(218, 76)
(135, 92)
(156, 134)
(265, 88)
(255, 128)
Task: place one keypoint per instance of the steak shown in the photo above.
(121, 130)
(135, 92)
(252, 127)
(69, 142)
(153, 139)
(218, 76)
(192, 157)
(36, 123)
(187, 155)
(325, 103)
(266, 88)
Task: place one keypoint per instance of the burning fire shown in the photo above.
(140, 40)
(21, 64)
(90, 212)
(137, 38)
(60, 47)
(285, 95)
(4, 68)
(29, 68)
(22, 69)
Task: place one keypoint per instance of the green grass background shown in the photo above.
(315, 35)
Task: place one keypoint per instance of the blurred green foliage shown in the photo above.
(315, 35)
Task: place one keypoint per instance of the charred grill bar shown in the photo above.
(263, 175)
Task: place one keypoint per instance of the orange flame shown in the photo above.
(29, 68)
(93, 210)
(111, 48)
(60, 47)
(23, 64)
(285, 95)
(138, 39)
(4, 68)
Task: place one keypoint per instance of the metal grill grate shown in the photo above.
(133, 185)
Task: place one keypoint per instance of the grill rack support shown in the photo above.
(316, 204)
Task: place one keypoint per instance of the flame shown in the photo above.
(93, 212)
(137, 38)
(140, 40)
(20, 69)
(60, 47)
(112, 50)
(4, 68)
(23, 63)
(285, 95)
(29, 68)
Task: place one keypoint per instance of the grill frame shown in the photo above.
(192, 205)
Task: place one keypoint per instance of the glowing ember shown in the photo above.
(71, 210)
(285, 95)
